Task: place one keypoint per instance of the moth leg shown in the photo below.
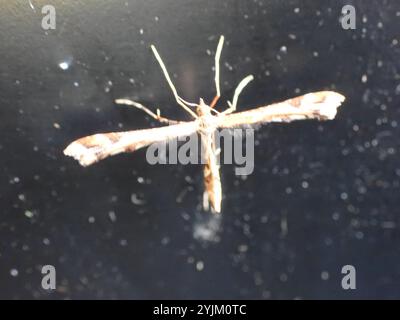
(238, 90)
(148, 111)
(217, 81)
(178, 99)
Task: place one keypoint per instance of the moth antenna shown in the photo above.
(178, 99)
(217, 69)
(242, 84)
(240, 88)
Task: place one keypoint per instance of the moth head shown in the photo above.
(203, 109)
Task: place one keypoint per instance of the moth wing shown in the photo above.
(320, 105)
(91, 149)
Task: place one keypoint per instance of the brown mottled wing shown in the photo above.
(320, 105)
(90, 149)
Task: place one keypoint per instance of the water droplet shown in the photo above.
(324, 275)
(112, 216)
(64, 65)
(140, 179)
(364, 78)
(14, 272)
(200, 265)
(28, 214)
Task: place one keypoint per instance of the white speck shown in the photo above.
(296, 10)
(335, 216)
(228, 66)
(123, 242)
(200, 265)
(91, 219)
(359, 235)
(16, 179)
(21, 197)
(28, 214)
(46, 241)
(131, 80)
(292, 36)
(304, 184)
(156, 18)
(108, 86)
(344, 196)
(56, 125)
(141, 31)
(140, 179)
(324, 275)
(112, 216)
(388, 224)
(164, 241)
(135, 199)
(284, 227)
(14, 272)
(283, 49)
(243, 248)
(364, 78)
(190, 260)
(63, 65)
(395, 42)
(315, 54)
(76, 84)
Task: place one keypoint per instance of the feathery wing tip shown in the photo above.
(80, 153)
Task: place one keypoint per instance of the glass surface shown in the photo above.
(322, 194)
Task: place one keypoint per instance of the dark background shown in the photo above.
(322, 195)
